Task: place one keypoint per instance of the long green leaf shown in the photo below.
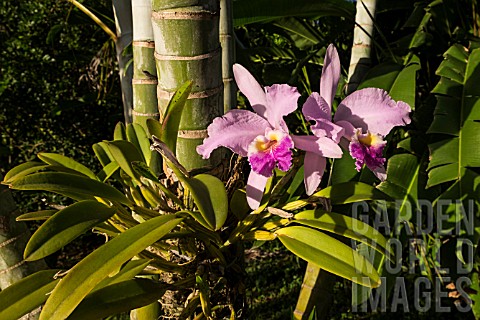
(345, 226)
(26, 294)
(127, 272)
(329, 254)
(173, 114)
(249, 11)
(82, 278)
(117, 298)
(69, 185)
(124, 153)
(341, 193)
(138, 137)
(60, 160)
(37, 215)
(22, 170)
(64, 226)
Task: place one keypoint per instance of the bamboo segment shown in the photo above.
(144, 69)
(316, 292)
(187, 48)
(228, 55)
(122, 11)
(362, 39)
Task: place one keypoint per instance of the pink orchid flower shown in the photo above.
(262, 136)
(361, 121)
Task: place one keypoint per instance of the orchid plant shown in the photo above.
(359, 125)
(188, 226)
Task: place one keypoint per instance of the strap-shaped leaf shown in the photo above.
(108, 171)
(82, 278)
(173, 114)
(117, 298)
(124, 153)
(210, 197)
(329, 254)
(138, 137)
(65, 226)
(23, 170)
(37, 215)
(127, 272)
(103, 154)
(246, 11)
(60, 160)
(341, 193)
(119, 133)
(456, 120)
(154, 128)
(345, 226)
(70, 185)
(26, 294)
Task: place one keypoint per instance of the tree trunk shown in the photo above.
(187, 48)
(362, 43)
(122, 11)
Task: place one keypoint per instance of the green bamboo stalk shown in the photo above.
(122, 10)
(228, 55)
(316, 292)
(13, 239)
(362, 43)
(186, 34)
(144, 70)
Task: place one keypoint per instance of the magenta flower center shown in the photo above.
(367, 149)
(272, 149)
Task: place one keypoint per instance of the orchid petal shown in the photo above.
(255, 186)
(235, 130)
(281, 100)
(349, 130)
(326, 128)
(374, 110)
(251, 89)
(314, 167)
(315, 108)
(330, 75)
(320, 145)
(380, 173)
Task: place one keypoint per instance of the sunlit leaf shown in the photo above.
(26, 294)
(329, 254)
(84, 276)
(64, 226)
(69, 185)
(60, 160)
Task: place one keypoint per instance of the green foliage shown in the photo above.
(329, 254)
(27, 294)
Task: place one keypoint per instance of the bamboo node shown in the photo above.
(145, 44)
(167, 95)
(144, 81)
(185, 15)
(136, 113)
(207, 55)
(193, 134)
